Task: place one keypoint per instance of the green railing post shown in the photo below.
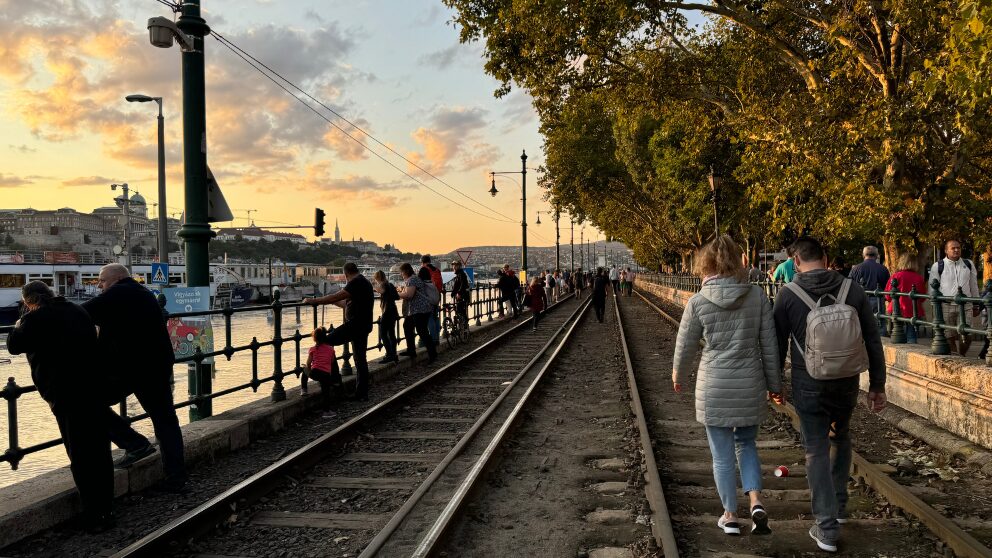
(939, 344)
(898, 328)
(278, 392)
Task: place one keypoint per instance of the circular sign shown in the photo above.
(117, 249)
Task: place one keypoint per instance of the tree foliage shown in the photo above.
(856, 120)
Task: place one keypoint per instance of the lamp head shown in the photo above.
(492, 189)
(715, 180)
(538, 222)
(139, 99)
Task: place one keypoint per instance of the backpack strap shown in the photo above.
(799, 292)
(845, 288)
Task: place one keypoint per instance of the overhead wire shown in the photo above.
(225, 42)
(231, 44)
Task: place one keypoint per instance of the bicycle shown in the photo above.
(455, 325)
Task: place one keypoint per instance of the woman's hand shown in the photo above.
(677, 387)
(777, 398)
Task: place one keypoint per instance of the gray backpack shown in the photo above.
(835, 347)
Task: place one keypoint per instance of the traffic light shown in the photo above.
(318, 222)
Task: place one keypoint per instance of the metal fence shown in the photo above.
(485, 303)
(888, 310)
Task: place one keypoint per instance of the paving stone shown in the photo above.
(612, 464)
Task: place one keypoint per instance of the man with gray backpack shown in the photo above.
(826, 323)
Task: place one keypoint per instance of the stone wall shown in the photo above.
(951, 392)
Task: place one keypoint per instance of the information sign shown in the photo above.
(189, 332)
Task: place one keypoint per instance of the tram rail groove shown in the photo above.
(205, 517)
(962, 543)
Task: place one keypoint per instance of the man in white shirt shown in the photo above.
(954, 272)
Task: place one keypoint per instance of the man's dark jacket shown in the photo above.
(60, 342)
(505, 284)
(790, 319)
(134, 342)
(599, 285)
(461, 285)
(870, 274)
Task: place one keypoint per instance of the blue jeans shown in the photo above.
(911, 336)
(725, 442)
(825, 418)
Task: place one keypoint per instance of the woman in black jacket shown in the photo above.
(388, 315)
(60, 342)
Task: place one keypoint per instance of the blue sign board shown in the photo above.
(188, 333)
(471, 275)
(160, 273)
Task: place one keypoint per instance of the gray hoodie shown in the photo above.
(790, 319)
(739, 364)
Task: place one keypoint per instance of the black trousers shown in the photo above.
(600, 306)
(156, 400)
(537, 317)
(89, 456)
(387, 335)
(326, 381)
(418, 323)
(349, 332)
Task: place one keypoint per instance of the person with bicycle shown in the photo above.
(461, 293)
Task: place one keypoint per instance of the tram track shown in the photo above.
(379, 483)
(685, 513)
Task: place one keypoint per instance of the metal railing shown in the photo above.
(888, 309)
(485, 303)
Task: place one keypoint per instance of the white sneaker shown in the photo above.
(842, 520)
(816, 534)
(729, 526)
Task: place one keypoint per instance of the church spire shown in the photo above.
(337, 232)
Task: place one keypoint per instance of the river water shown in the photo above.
(36, 423)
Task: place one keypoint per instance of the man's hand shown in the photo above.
(876, 400)
(308, 301)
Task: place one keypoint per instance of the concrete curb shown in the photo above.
(36, 504)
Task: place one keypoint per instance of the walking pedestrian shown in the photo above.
(825, 385)
(907, 279)
(872, 276)
(461, 292)
(580, 282)
(623, 282)
(415, 291)
(785, 270)
(322, 367)
(630, 281)
(434, 321)
(738, 370)
(60, 342)
(538, 300)
(135, 347)
(388, 316)
(955, 272)
(615, 279)
(507, 285)
(356, 299)
(599, 286)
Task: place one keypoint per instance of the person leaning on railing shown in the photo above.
(60, 341)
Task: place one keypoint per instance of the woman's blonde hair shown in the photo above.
(906, 261)
(721, 257)
(379, 276)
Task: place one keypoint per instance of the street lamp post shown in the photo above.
(557, 214)
(571, 242)
(163, 224)
(715, 182)
(523, 205)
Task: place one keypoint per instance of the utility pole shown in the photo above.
(523, 205)
(582, 251)
(571, 241)
(196, 230)
(557, 238)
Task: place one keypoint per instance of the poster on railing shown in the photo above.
(188, 333)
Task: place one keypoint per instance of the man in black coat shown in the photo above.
(599, 285)
(135, 347)
(60, 342)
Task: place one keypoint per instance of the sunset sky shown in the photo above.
(394, 67)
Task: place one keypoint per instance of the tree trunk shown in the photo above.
(895, 249)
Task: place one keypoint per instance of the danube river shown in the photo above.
(36, 423)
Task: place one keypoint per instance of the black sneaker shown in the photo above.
(132, 457)
(759, 521)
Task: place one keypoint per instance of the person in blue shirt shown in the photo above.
(785, 270)
(872, 275)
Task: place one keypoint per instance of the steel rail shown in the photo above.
(383, 536)
(661, 523)
(963, 544)
(215, 510)
(428, 544)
